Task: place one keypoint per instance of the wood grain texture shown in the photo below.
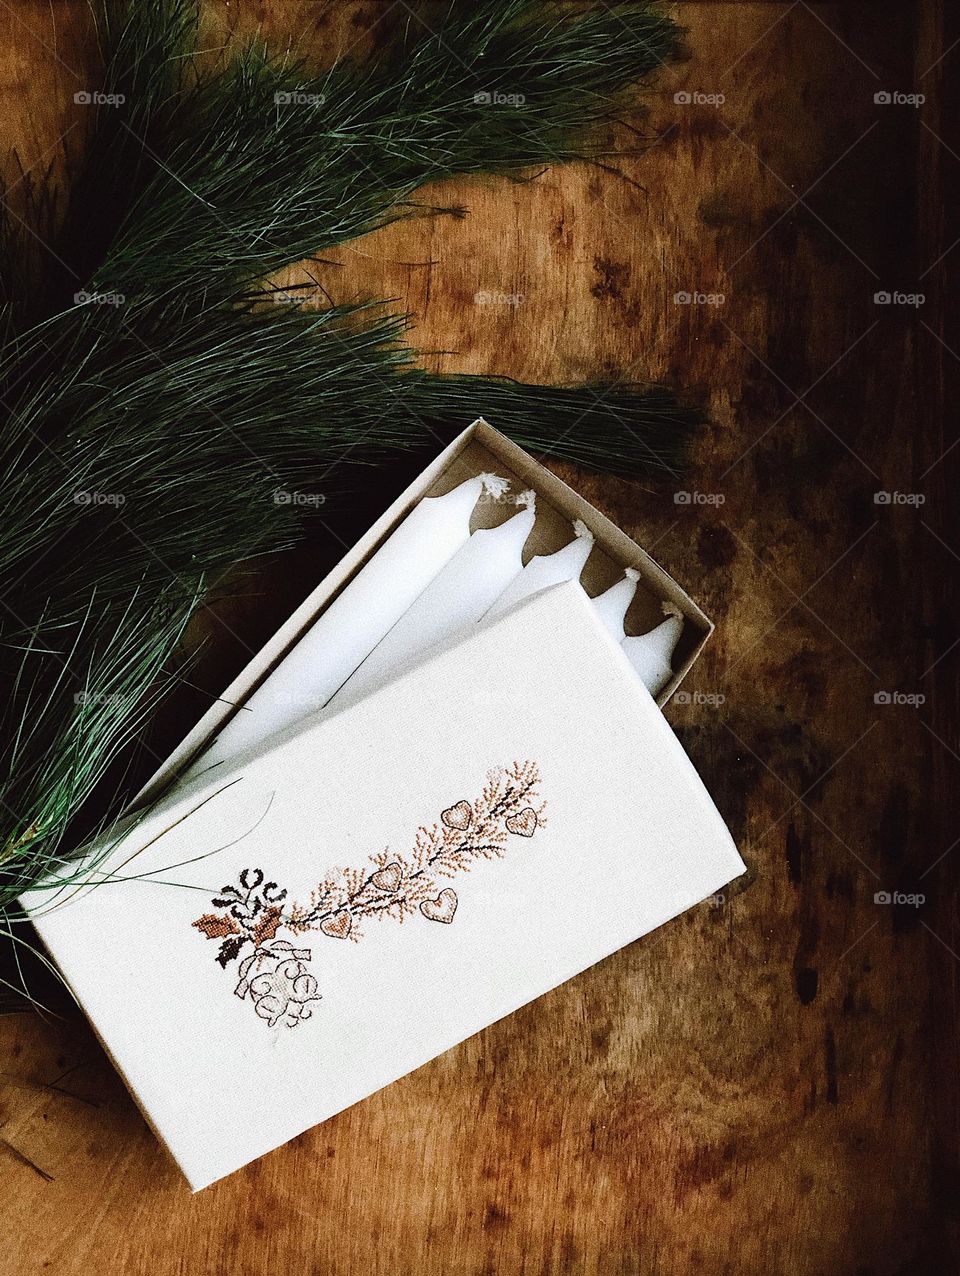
(768, 1084)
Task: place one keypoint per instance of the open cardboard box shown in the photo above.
(598, 831)
(479, 448)
(328, 913)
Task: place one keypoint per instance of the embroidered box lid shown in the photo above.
(322, 918)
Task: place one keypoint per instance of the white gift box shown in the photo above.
(285, 936)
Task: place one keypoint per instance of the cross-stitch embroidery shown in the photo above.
(273, 971)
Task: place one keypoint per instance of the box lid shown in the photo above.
(273, 942)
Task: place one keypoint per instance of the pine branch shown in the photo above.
(129, 118)
(149, 411)
(147, 51)
(294, 160)
(621, 428)
(74, 709)
(161, 402)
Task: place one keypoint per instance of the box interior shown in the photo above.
(479, 448)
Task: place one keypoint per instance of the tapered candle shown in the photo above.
(356, 621)
(547, 569)
(457, 598)
(613, 604)
(651, 653)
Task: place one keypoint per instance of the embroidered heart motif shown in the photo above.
(442, 908)
(459, 816)
(388, 878)
(524, 823)
(337, 926)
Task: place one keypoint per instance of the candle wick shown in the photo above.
(493, 485)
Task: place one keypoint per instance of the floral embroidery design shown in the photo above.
(273, 972)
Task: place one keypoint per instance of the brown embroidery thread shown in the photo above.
(274, 974)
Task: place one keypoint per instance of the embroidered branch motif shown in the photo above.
(272, 971)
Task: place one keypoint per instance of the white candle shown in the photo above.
(350, 628)
(651, 653)
(613, 604)
(547, 569)
(457, 598)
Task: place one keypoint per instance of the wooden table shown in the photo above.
(768, 1084)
